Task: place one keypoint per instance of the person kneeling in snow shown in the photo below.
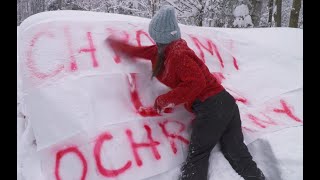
(217, 114)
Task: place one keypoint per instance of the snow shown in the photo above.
(278, 154)
(278, 160)
(75, 107)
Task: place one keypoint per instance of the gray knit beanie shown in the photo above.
(163, 27)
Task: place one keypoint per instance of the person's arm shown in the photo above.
(145, 52)
(191, 85)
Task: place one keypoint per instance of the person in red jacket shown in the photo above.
(217, 114)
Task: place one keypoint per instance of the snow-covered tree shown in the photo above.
(242, 16)
(26, 8)
(53, 5)
(285, 13)
(201, 12)
(23, 10)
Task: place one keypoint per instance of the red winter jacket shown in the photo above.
(186, 74)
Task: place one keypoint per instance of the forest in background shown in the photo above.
(209, 13)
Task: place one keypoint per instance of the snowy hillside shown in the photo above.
(81, 100)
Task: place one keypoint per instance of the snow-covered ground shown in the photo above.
(80, 100)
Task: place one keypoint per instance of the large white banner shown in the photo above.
(83, 99)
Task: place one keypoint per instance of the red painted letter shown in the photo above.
(125, 38)
(258, 121)
(211, 47)
(135, 99)
(97, 157)
(286, 110)
(91, 49)
(152, 144)
(173, 136)
(32, 65)
(73, 64)
(235, 64)
(75, 150)
(248, 129)
(237, 97)
(138, 37)
(219, 76)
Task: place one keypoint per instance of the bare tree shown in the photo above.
(256, 12)
(278, 14)
(294, 15)
(270, 7)
(60, 4)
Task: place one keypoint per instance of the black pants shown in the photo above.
(218, 119)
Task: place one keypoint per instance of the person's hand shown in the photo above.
(161, 105)
(147, 111)
(112, 42)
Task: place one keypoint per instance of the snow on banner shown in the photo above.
(83, 100)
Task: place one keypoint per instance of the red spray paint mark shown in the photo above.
(242, 100)
(152, 144)
(97, 156)
(173, 136)
(237, 97)
(259, 121)
(198, 43)
(116, 58)
(91, 49)
(235, 64)
(248, 129)
(132, 25)
(125, 38)
(217, 52)
(219, 76)
(138, 37)
(73, 64)
(75, 150)
(135, 99)
(256, 120)
(124, 33)
(286, 110)
(211, 47)
(30, 61)
(270, 121)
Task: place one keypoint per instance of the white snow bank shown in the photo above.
(81, 99)
(278, 154)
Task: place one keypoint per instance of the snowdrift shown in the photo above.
(81, 100)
